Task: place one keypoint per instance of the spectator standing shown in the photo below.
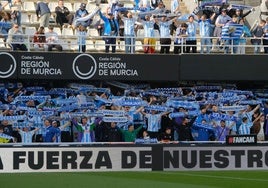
(175, 6)
(258, 33)
(27, 134)
(63, 14)
(131, 134)
(16, 11)
(39, 39)
(179, 40)
(111, 29)
(221, 20)
(246, 125)
(52, 40)
(205, 32)
(51, 132)
(85, 130)
(149, 40)
(165, 40)
(242, 42)
(191, 35)
(81, 38)
(129, 33)
(16, 38)
(265, 36)
(184, 130)
(43, 13)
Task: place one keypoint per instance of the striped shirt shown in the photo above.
(129, 26)
(148, 28)
(154, 122)
(245, 128)
(164, 29)
(26, 137)
(191, 31)
(204, 28)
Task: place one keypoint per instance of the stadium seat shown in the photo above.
(52, 5)
(29, 6)
(76, 6)
(100, 45)
(90, 7)
(138, 46)
(34, 19)
(103, 7)
(121, 46)
(2, 43)
(140, 34)
(69, 6)
(55, 29)
(128, 5)
(90, 46)
(156, 34)
(6, 7)
(25, 19)
(30, 31)
(92, 32)
(67, 32)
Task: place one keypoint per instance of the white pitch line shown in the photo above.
(220, 177)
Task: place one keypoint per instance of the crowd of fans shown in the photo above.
(118, 22)
(119, 112)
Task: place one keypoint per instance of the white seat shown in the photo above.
(25, 19)
(128, 5)
(30, 31)
(33, 19)
(90, 46)
(55, 29)
(52, 6)
(121, 46)
(100, 45)
(90, 7)
(156, 34)
(2, 43)
(138, 46)
(140, 34)
(66, 31)
(6, 7)
(76, 6)
(92, 32)
(29, 6)
(69, 6)
(103, 7)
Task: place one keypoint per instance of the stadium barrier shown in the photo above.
(130, 157)
(95, 44)
(131, 67)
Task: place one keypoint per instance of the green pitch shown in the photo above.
(200, 179)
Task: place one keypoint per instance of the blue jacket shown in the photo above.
(107, 26)
(50, 133)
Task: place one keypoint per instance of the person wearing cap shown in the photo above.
(43, 13)
(80, 13)
(110, 31)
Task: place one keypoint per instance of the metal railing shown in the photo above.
(70, 43)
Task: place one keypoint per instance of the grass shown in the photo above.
(185, 179)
